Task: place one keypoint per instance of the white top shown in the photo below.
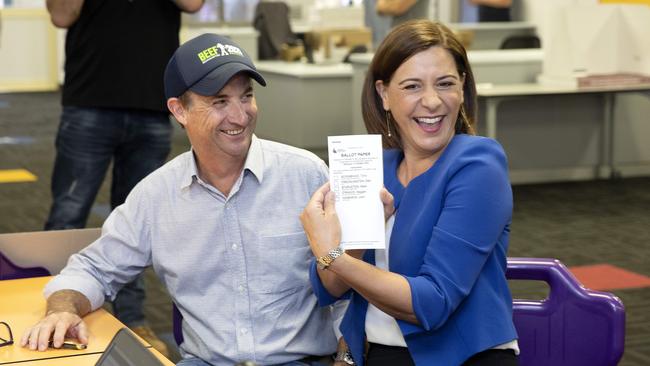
(380, 327)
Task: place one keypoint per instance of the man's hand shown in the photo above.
(56, 326)
(65, 309)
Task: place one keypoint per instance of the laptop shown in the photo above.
(126, 349)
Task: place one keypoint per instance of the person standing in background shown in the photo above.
(378, 24)
(404, 10)
(114, 109)
(493, 10)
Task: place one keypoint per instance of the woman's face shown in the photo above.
(424, 97)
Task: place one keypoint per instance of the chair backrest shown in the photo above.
(573, 326)
(272, 22)
(521, 41)
(177, 328)
(10, 271)
(47, 249)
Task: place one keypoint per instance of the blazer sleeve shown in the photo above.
(323, 296)
(476, 210)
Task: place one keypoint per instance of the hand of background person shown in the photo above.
(320, 221)
(55, 326)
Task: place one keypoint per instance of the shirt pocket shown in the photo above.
(282, 262)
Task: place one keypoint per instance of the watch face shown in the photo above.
(324, 261)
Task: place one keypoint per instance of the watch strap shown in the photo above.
(326, 260)
(345, 357)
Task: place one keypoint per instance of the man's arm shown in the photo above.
(64, 13)
(189, 6)
(394, 7)
(65, 309)
(493, 3)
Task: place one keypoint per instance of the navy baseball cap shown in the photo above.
(205, 64)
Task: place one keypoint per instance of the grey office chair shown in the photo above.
(272, 22)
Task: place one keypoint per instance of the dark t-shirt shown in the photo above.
(490, 14)
(117, 51)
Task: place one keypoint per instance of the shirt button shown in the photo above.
(243, 331)
(234, 247)
(242, 288)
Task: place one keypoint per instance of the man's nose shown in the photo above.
(237, 112)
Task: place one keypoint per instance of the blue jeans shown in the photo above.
(199, 362)
(88, 139)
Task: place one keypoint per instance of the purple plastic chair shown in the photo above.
(177, 328)
(10, 271)
(573, 326)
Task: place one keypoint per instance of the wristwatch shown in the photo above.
(345, 357)
(326, 260)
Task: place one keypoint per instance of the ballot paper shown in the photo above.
(356, 177)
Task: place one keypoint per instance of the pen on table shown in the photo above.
(67, 345)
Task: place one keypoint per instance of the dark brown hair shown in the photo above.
(400, 44)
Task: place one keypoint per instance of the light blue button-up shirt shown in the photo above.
(237, 267)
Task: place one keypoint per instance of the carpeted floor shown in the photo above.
(582, 224)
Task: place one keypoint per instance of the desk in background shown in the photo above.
(549, 133)
(490, 35)
(493, 95)
(22, 304)
(304, 103)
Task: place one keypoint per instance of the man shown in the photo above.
(219, 224)
(113, 110)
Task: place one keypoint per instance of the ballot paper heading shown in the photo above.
(356, 177)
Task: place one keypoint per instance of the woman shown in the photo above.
(440, 296)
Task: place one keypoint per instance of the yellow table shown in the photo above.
(22, 304)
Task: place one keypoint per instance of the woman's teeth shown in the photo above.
(428, 121)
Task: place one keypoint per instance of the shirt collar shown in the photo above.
(255, 159)
(254, 163)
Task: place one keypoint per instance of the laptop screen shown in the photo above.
(126, 350)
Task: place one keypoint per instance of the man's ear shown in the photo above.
(176, 107)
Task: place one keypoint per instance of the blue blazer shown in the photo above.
(449, 241)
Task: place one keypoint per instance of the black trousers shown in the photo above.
(493, 357)
(381, 355)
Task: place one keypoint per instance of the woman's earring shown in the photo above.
(465, 120)
(388, 123)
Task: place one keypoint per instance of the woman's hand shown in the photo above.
(388, 201)
(320, 222)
